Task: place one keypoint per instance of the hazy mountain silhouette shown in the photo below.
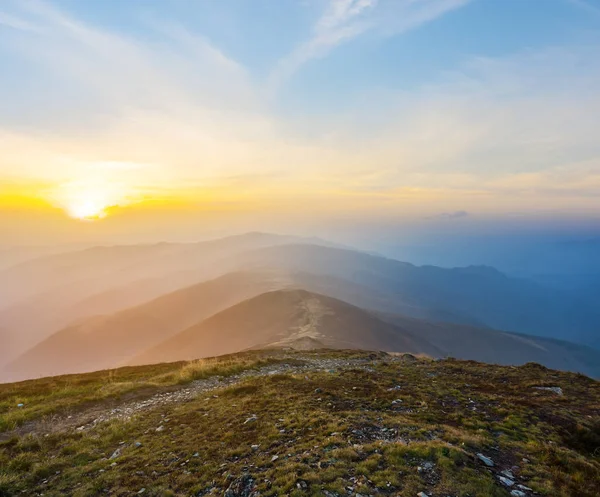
(472, 295)
(283, 318)
(45, 294)
(110, 340)
(102, 307)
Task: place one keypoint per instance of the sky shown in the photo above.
(167, 118)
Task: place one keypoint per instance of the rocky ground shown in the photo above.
(325, 423)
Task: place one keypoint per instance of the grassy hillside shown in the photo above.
(322, 423)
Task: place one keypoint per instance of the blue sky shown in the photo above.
(410, 107)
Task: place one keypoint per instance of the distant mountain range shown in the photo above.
(110, 306)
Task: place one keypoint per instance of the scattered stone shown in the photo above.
(141, 491)
(20, 405)
(318, 390)
(486, 460)
(255, 447)
(508, 474)
(422, 494)
(251, 419)
(523, 487)
(505, 481)
(556, 390)
(137, 444)
(160, 428)
(115, 454)
(242, 487)
(397, 401)
(518, 493)
(274, 458)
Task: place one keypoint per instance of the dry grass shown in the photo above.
(332, 431)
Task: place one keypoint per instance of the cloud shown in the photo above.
(344, 20)
(173, 109)
(450, 215)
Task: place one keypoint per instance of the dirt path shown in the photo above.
(125, 408)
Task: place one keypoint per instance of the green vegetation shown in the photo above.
(385, 426)
(61, 393)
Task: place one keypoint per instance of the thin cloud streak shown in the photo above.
(344, 20)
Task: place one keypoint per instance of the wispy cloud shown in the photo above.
(344, 20)
(494, 132)
(449, 215)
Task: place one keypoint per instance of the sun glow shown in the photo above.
(89, 200)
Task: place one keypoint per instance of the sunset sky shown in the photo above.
(143, 116)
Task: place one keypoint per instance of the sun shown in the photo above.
(87, 209)
(90, 199)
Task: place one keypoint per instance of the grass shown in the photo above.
(332, 433)
(43, 397)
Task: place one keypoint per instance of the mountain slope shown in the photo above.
(472, 295)
(282, 318)
(499, 347)
(304, 423)
(48, 293)
(109, 340)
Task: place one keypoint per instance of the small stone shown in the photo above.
(251, 419)
(556, 390)
(274, 458)
(508, 474)
(20, 405)
(518, 493)
(115, 454)
(506, 481)
(137, 444)
(160, 428)
(422, 494)
(523, 487)
(318, 390)
(141, 491)
(254, 447)
(486, 460)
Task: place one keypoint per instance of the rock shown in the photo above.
(318, 390)
(302, 485)
(20, 405)
(160, 428)
(508, 474)
(523, 487)
(251, 419)
(137, 444)
(141, 491)
(556, 390)
(255, 447)
(486, 460)
(422, 494)
(115, 454)
(506, 481)
(518, 493)
(274, 458)
(242, 487)
(397, 401)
